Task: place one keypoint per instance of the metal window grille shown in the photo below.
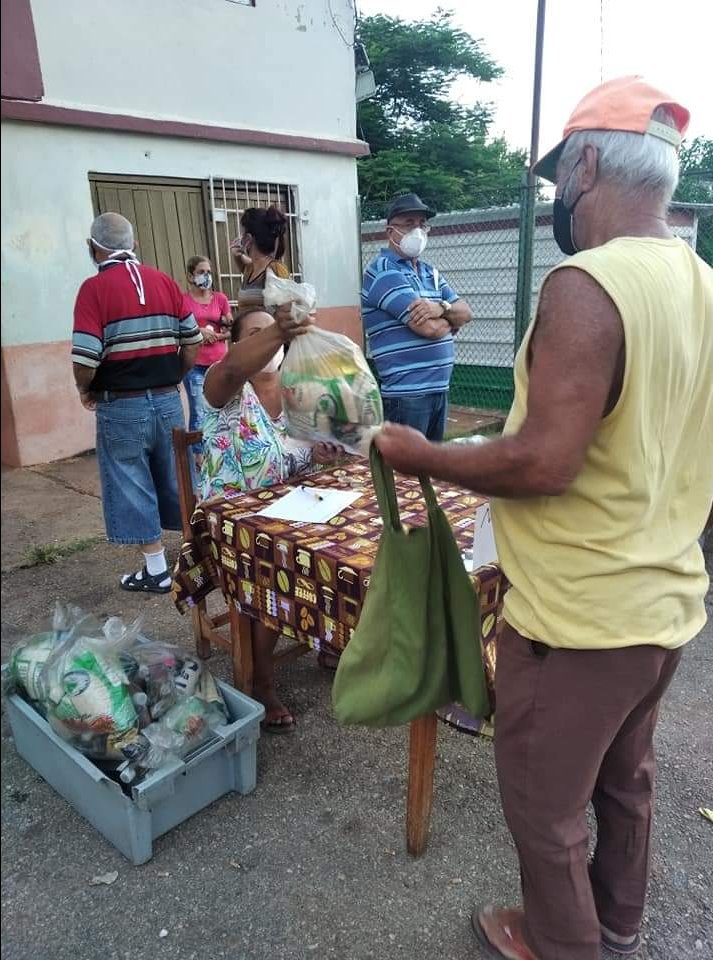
(229, 198)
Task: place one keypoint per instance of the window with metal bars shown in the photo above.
(229, 198)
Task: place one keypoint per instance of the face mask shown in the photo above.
(130, 261)
(413, 243)
(274, 365)
(204, 281)
(563, 220)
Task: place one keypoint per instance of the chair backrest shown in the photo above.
(183, 441)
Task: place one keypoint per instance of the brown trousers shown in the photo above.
(574, 726)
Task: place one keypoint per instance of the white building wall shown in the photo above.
(47, 211)
(281, 65)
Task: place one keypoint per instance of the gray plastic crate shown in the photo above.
(165, 798)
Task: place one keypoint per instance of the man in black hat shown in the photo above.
(410, 315)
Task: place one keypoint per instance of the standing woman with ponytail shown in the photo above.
(261, 248)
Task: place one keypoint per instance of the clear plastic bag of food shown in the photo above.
(279, 291)
(30, 655)
(86, 691)
(185, 725)
(329, 394)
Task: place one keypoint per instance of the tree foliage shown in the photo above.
(696, 180)
(696, 186)
(421, 140)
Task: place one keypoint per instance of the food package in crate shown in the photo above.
(119, 698)
(329, 394)
(198, 709)
(86, 690)
(29, 656)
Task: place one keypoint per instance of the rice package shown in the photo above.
(329, 394)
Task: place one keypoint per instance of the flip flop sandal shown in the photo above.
(146, 583)
(277, 726)
(480, 935)
(621, 949)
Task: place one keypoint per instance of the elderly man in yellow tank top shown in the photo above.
(602, 486)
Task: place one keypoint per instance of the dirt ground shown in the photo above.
(313, 863)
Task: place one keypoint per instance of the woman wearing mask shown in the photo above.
(246, 446)
(260, 249)
(213, 315)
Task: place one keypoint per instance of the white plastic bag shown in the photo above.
(302, 296)
(329, 394)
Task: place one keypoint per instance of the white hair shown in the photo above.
(111, 231)
(643, 164)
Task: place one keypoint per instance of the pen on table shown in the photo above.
(313, 492)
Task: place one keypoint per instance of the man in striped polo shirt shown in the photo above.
(410, 316)
(131, 346)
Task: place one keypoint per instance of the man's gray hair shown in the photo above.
(643, 164)
(111, 231)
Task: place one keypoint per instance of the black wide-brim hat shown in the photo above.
(408, 203)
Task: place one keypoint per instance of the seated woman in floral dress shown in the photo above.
(246, 446)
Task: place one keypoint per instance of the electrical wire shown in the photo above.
(337, 27)
(601, 41)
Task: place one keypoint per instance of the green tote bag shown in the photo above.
(417, 644)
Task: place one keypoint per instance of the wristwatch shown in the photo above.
(446, 307)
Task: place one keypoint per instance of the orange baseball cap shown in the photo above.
(626, 103)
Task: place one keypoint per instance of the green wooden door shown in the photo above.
(168, 217)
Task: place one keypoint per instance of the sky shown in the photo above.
(585, 41)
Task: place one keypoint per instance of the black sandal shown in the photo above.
(146, 583)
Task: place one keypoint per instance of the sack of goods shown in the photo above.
(329, 394)
(130, 704)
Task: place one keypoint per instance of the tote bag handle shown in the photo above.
(385, 487)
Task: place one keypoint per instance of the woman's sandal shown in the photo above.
(282, 723)
(146, 583)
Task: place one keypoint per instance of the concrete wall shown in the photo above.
(46, 213)
(280, 65)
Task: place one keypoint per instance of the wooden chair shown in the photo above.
(206, 628)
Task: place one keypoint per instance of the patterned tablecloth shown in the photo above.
(309, 581)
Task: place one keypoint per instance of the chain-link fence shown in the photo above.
(481, 253)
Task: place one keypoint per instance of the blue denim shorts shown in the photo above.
(136, 465)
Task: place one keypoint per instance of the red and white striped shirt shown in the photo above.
(132, 345)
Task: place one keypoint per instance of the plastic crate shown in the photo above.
(165, 798)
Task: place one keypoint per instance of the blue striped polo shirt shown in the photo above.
(408, 365)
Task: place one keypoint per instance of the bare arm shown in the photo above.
(431, 329)
(187, 356)
(226, 322)
(459, 314)
(424, 311)
(83, 377)
(575, 349)
(243, 360)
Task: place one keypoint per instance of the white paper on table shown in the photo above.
(484, 549)
(310, 504)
